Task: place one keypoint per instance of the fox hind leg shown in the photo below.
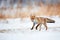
(40, 27)
(45, 25)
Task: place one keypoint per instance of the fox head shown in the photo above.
(32, 17)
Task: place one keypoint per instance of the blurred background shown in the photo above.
(23, 8)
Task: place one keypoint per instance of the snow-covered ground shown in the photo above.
(18, 29)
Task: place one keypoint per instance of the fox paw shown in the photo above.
(31, 28)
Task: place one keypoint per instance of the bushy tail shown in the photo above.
(50, 20)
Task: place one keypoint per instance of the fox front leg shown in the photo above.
(37, 26)
(33, 26)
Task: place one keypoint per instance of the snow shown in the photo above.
(17, 29)
(30, 36)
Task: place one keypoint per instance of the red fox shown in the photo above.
(40, 21)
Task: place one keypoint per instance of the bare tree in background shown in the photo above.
(29, 3)
(19, 3)
(41, 3)
(11, 4)
(37, 2)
